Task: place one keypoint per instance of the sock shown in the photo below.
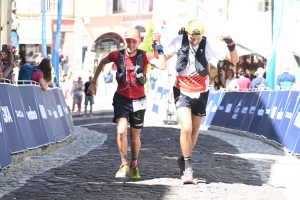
(187, 162)
(133, 162)
(124, 159)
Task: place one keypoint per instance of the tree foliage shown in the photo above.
(148, 38)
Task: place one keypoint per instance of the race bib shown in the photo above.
(139, 104)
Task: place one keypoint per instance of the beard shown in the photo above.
(130, 52)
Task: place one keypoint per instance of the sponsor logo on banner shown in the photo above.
(221, 108)
(237, 108)
(260, 112)
(252, 110)
(279, 115)
(288, 115)
(31, 114)
(234, 116)
(244, 111)
(273, 112)
(19, 113)
(43, 111)
(0, 128)
(228, 108)
(209, 105)
(66, 110)
(49, 112)
(214, 108)
(60, 112)
(6, 115)
(268, 111)
(297, 120)
(55, 114)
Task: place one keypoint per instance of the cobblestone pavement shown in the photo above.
(225, 166)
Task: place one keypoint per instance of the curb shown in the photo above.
(272, 143)
(40, 151)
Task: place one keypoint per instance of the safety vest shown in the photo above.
(138, 69)
(200, 59)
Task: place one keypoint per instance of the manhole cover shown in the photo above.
(45, 158)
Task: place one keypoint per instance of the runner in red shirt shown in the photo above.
(129, 100)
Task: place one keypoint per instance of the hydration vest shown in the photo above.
(200, 59)
(138, 69)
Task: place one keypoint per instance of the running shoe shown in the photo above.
(91, 116)
(84, 116)
(181, 165)
(123, 171)
(134, 173)
(187, 177)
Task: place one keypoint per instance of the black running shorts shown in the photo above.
(197, 106)
(123, 109)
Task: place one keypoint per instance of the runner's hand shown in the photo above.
(92, 89)
(156, 37)
(181, 31)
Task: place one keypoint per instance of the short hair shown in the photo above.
(242, 73)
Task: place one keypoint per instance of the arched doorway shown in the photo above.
(107, 43)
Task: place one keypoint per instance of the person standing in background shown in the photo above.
(78, 89)
(89, 98)
(286, 81)
(243, 82)
(231, 81)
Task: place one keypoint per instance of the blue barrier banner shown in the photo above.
(285, 122)
(230, 106)
(277, 114)
(235, 118)
(31, 110)
(291, 138)
(22, 121)
(221, 108)
(210, 102)
(42, 114)
(158, 97)
(266, 123)
(61, 114)
(214, 107)
(59, 131)
(66, 110)
(249, 109)
(260, 111)
(15, 138)
(5, 157)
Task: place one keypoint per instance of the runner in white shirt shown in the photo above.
(191, 87)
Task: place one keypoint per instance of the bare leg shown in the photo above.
(85, 109)
(122, 135)
(185, 118)
(135, 142)
(91, 109)
(196, 122)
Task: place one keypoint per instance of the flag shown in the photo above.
(44, 44)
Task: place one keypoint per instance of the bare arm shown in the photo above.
(43, 84)
(6, 72)
(92, 88)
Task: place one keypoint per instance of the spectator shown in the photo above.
(259, 82)
(100, 58)
(64, 85)
(43, 76)
(6, 56)
(65, 61)
(89, 97)
(218, 85)
(231, 81)
(78, 89)
(39, 58)
(243, 82)
(286, 81)
(1, 69)
(152, 80)
(108, 79)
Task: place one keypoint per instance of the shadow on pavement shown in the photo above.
(92, 176)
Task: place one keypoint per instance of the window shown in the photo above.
(119, 6)
(52, 5)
